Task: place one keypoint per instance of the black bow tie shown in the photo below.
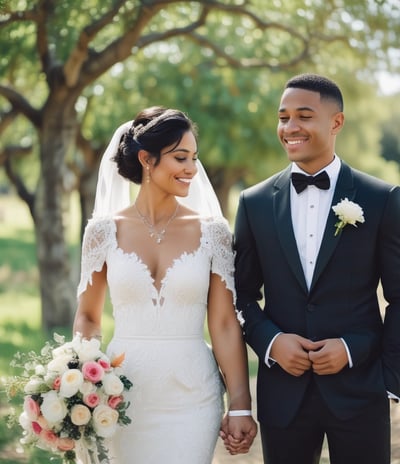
(301, 181)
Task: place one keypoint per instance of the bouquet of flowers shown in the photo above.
(73, 398)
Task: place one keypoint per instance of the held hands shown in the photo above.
(238, 433)
(296, 354)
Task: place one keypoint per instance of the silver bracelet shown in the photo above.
(239, 412)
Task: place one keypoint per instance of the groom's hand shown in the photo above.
(290, 351)
(329, 356)
(238, 433)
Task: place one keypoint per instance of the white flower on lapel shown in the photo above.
(348, 213)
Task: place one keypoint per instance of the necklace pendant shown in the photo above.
(153, 233)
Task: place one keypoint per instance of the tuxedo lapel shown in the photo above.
(344, 189)
(283, 220)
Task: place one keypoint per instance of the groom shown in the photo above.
(328, 363)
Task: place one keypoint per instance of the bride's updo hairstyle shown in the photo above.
(152, 130)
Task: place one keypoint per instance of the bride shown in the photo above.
(167, 262)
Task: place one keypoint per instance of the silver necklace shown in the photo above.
(153, 232)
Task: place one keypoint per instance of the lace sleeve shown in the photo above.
(96, 241)
(222, 253)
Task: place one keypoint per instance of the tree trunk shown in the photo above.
(223, 180)
(87, 193)
(56, 287)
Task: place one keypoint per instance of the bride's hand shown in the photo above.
(238, 433)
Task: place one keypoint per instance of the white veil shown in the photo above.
(113, 190)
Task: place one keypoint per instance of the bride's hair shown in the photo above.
(152, 130)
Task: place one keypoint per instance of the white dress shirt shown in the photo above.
(310, 210)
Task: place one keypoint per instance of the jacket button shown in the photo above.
(311, 308)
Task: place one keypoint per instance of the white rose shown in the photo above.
(59, 364)
(87, 387)
(112, 384)
(40, 370)
(87, 350)
(24, 421)
(71, 382)
(63, 350)
(348, 212)
(53, 407)
(80, 414)
(105, 420)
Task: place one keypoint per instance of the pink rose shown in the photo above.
(91, 400)
(48, 436)
(104, 364)
(114, 401)
(36, 428)
(31, 408)
(92, 371)
(57, 383)
(65, 444)
(42, 422)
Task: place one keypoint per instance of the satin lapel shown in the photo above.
(284, 226)
(344, 189)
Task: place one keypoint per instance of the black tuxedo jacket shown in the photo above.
(341, 302)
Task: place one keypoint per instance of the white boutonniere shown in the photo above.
(348, 213)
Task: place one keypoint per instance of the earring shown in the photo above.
(147, 175)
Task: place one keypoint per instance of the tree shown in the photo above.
(390, 140)
(54, 52)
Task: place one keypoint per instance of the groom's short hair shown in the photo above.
(316, 83)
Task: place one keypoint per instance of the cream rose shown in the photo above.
(53, 407)
(87, 388)
(65, 444)
(80, 414)
(105, 420)
(71, 382)
(112, 385)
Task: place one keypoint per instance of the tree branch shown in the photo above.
(21, 105)
(79, 53)
(5, 159)
(7, 118)
(250, 62)
(16, 16)
(120, 49)
(45, 8)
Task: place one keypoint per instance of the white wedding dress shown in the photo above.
(176, 398)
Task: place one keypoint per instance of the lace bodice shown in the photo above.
(178, 307)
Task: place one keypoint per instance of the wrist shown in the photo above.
(239, 412)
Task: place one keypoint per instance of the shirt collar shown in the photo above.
(332, 170)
